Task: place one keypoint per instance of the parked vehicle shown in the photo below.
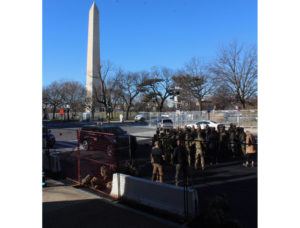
(48, 138)
(203, 124)
(155, 121)
(141, 117)
(165, 124)
(113, 141)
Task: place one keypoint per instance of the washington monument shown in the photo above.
(93, 59)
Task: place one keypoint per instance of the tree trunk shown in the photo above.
(243, 102)
(53, 112)
(200, 104)
(161, 106)
(127, 112)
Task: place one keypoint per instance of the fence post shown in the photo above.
(78, 159)
(130, 154)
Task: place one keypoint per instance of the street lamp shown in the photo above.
(68, 110)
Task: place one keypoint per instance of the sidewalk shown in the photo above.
(65, 206)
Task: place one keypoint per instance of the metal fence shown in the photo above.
(243, 118)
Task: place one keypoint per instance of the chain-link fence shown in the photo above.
(243, 118)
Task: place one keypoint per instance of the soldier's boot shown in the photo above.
(252, 164)
(246, 164)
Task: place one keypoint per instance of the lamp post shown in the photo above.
(68, 111)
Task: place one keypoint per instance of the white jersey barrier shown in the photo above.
(166, 197)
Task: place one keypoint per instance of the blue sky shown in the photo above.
(139, 34)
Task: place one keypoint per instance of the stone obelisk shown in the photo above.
(93, 59)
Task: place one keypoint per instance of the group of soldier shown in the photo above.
(203, 146)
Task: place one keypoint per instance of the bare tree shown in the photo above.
(236, 68)
(131, 85)
(222, 97)
(53, 96)
(194, 81)
(74, 96)
(106, 93)
(159, 85)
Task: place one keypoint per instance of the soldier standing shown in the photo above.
(155, 136)
(188, 142)
(199, 152)
(232, 140)
(168, 147)
(242, 140)
(180, 161)
(157, 156)
(237, 142)
(212, 146)
(222, 143)
(250, 149)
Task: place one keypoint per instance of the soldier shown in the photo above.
(173, 146)
(155, 137)
(199, 152)
(250, 149)
(222, 143)
(212, 141)
(179, 155)
(193, 149)
(242, 140)
(193, 132)
(157, 156)
(205, 134)
(103, 182)
(232, 140)
(188, 142)
(168, 147)
(237, 142)
(162, 141)
(199, 132)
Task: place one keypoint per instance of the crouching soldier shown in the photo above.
(103, 182)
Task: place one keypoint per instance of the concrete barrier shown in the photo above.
(164, 197)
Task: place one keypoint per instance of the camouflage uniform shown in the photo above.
(199, 152)
(232, 140)
(155, 137)
(168, 147)
(161, 140)
(242, 139)
(222, 143)
(188, 145)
